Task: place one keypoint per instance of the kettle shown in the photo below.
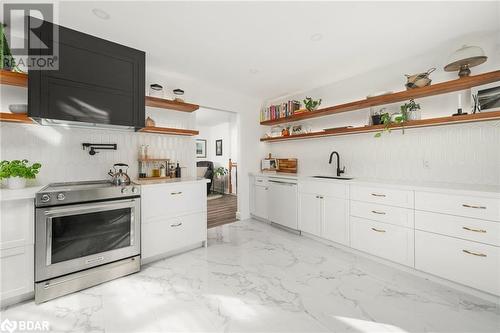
(119, 177)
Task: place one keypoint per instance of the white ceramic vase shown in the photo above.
(14, 183)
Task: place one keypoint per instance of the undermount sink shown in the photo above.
(333, 177)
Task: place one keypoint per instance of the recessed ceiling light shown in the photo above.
(316, 37)
(253, 71)
(100, 13)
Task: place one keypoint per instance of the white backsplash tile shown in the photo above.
(466, 153)
(60, 150)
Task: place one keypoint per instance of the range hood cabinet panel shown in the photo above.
(98, 82)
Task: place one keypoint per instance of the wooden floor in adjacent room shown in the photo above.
(222, 210)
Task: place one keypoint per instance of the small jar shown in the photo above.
(179, 95)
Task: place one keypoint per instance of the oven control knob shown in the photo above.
(134, 190)
(124, 190)
(61, 196)
(45, 198)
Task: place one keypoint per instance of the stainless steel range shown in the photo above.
(86, 233)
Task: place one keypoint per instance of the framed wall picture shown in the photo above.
(201, 148)
(218, 147)
(488, 97)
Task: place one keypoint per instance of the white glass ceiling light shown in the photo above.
(464, 58)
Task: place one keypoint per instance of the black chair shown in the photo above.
(209, 174)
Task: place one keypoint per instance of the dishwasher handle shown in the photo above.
(283, 183)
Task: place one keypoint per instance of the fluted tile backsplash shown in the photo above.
(60, 150)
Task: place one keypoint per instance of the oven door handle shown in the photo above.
(87, 208)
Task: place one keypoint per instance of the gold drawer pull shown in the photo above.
(380, 213)
(475, 230)
(474, 253)
(471, 206)
(175, 193)
(378, 230)
(378, 195)
(176, 225)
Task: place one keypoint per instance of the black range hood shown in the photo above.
(98, 83)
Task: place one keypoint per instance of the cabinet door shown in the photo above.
(334, 220)
(310, 213)
(261, 202)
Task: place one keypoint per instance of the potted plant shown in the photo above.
(311, 104)
(390, 119)
(220, 171)
(411, 110)
(377, 116)
(17, 171)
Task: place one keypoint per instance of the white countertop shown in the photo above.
(20, 194)
(442, 187)
(171, 181)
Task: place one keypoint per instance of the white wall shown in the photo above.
(466, 153)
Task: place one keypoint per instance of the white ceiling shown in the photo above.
(223, 42)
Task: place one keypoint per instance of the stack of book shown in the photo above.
(278, 111)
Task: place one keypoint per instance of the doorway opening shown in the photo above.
(217, 160)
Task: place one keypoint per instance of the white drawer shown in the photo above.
(470, 206)
(323, 188)
(17, 217)
(168, 235)
(384, 240)
(388, 214)
(381, 195)
(168, 200)
(17, 275)
(457, 226)
(469, 263)
(261, 181)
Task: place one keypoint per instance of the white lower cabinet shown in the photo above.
(260, 202)
(17, 269)
(335, 221)
(324, 215)
(173, 217)
(470, 263)
(16, 250)
(310, 213)
(385, 240)
(163, 236)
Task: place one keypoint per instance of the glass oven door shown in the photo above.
(75, 237)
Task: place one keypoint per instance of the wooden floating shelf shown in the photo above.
(21, 80)
(171, 131)
(434, 89)
(15, 118)
(171, 105)
(484, 116)
(13, 78)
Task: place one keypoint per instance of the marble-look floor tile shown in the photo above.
(257, 278)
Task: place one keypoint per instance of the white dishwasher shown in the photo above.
(283, 202)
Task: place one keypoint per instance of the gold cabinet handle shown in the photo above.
(378, 195)
(175, 193)
(472, 206)
(474, 253)
(379, 213)
(378, 230)
(474, 230)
